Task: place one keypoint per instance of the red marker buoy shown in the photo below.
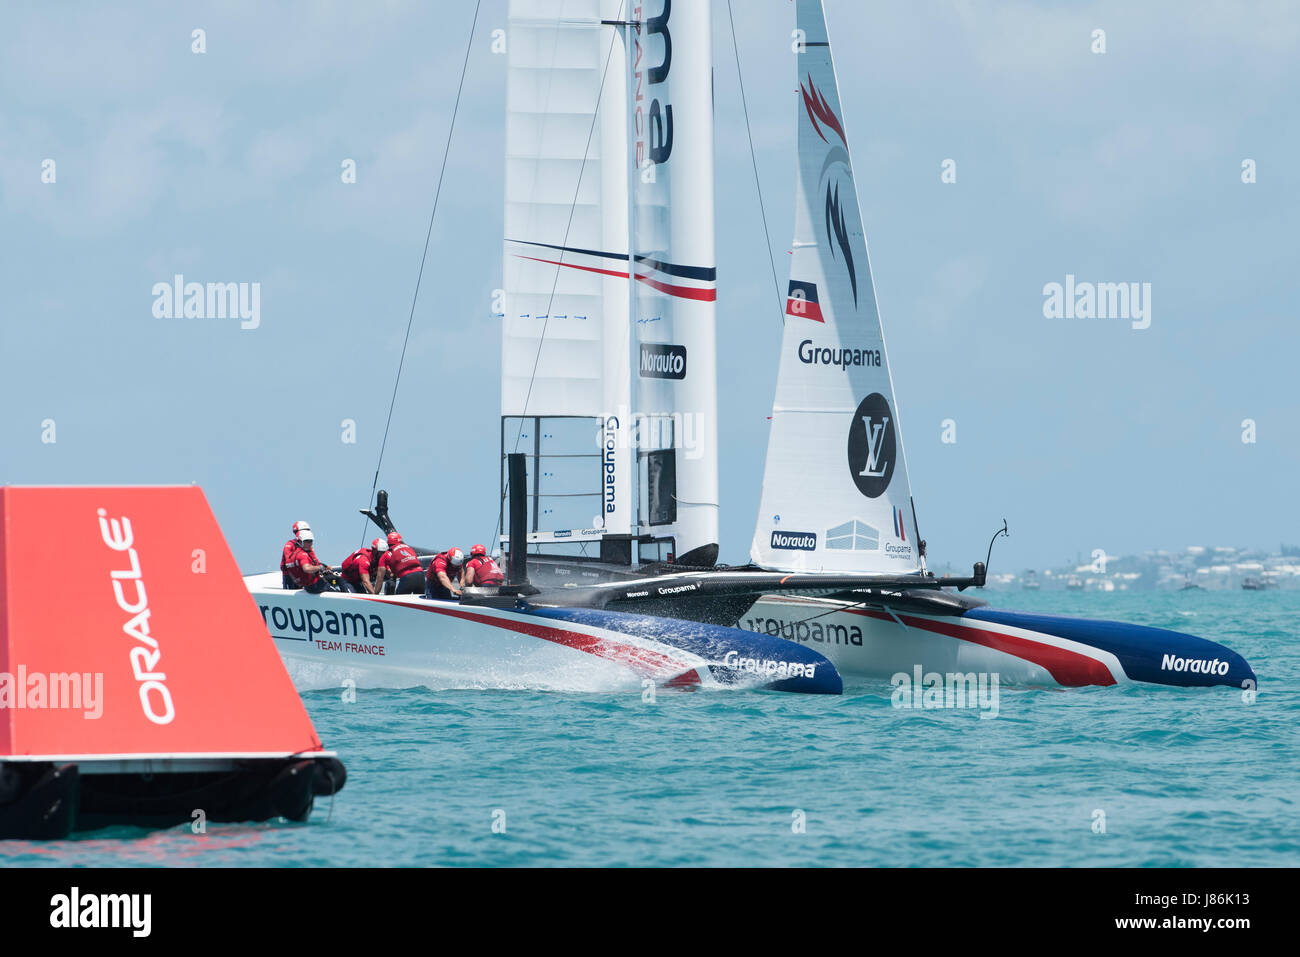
(143, 687)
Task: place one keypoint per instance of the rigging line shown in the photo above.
(541, 341)
(856, 604)
(424, 256)
(753, 158)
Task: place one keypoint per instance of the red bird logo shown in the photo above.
(819, 109)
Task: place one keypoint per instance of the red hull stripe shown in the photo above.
(681, 292)
(1069, 668)
(641, 660)
(684, 680)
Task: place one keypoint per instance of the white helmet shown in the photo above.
(455, 556)
(379, 545)
(301, 528)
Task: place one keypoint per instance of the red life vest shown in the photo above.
(441, 564)
(357, 565)
(486, 571)
(289, 546)
(294, 566)
(401, 560)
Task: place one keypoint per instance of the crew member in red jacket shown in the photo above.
(361, 567)
(402, 565)
(481, 570)
(444, 577)
(304, 567)
(289, 548)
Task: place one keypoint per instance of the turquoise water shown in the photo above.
(1183, 777)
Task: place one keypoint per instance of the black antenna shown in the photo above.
(989, 557)
(980, 573)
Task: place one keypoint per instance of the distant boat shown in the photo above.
(1255, 584)
(1074, 583)
(1190, 585)
(1031, 582)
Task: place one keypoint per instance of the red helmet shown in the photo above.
(379, 545)
(394, 538)
(455, 556)
(299, 528)
(478, 551)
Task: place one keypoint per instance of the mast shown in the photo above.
(675, 276)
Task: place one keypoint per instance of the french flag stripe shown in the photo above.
(803, 309)
(1068, 667)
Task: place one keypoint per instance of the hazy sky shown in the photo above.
(225, 167)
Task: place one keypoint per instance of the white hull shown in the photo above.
(440, 645)
(328, 639)
(867, 646)
(1020, 648)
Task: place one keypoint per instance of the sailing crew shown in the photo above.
(402, 565)
(362, 567)
(303, 567)
(289, 548)
(445, 573)
(481, 569)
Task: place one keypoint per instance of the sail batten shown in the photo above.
(836, 495)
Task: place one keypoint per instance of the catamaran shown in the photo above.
(609, 417)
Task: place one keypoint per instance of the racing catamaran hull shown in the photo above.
(404, 641)
(1021, 648)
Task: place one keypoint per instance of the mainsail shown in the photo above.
(609, 137)
(835, 495)
(566, 342)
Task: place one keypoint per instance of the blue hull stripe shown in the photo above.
(716, 644)
(1147, 654)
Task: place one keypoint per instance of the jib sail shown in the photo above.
(835, 495)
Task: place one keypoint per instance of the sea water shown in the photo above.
(1126, 776)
